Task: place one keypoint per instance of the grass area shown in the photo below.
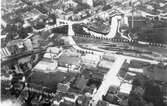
(49, 80)
(154, 31)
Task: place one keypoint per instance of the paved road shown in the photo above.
(121, 33)
(72, 42)
(109, 79)
(114, 27)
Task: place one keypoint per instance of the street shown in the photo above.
(109, 79)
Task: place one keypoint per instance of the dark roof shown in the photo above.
(80, 83)
(138, 64)
(71, 60)
(66, 103)
(89, 90)
(6, 83)
(98, 76)
(62, 87)
(84, 100)
(17, 77)
(69, 95)
(113, 89)
(102, 103)
(109, 97)
(58, 97)
(103, 70)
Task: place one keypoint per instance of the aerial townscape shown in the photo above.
(83, 53)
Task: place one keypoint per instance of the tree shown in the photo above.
(153, 94)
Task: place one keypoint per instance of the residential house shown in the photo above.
(83, 100)
(90, 91)
(52, 52)
(71, 98)
(63, 87)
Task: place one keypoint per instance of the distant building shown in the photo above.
(28, 44)
(66, 104)
(103, 70)
(90, 91)
(108, 57)
(71, 98)
(63, 87)
(138, 64)
(136, 70)
(62, 69)
(46, 65)
(5, 52)
(129, 76)
(91, 60)
(111, 98)
(70, 4)
(19, 43)
(113, 89)
(16, 46)
(88, 2)
(83, 101)
(98, 76)
(52, 52)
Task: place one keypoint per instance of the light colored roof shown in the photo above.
(136, 70)
(45, 65)
(92, 57)
(53, 50)
(62, 69)
(105, 64)
(115, 82)
(15, 42)
(125, 88)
